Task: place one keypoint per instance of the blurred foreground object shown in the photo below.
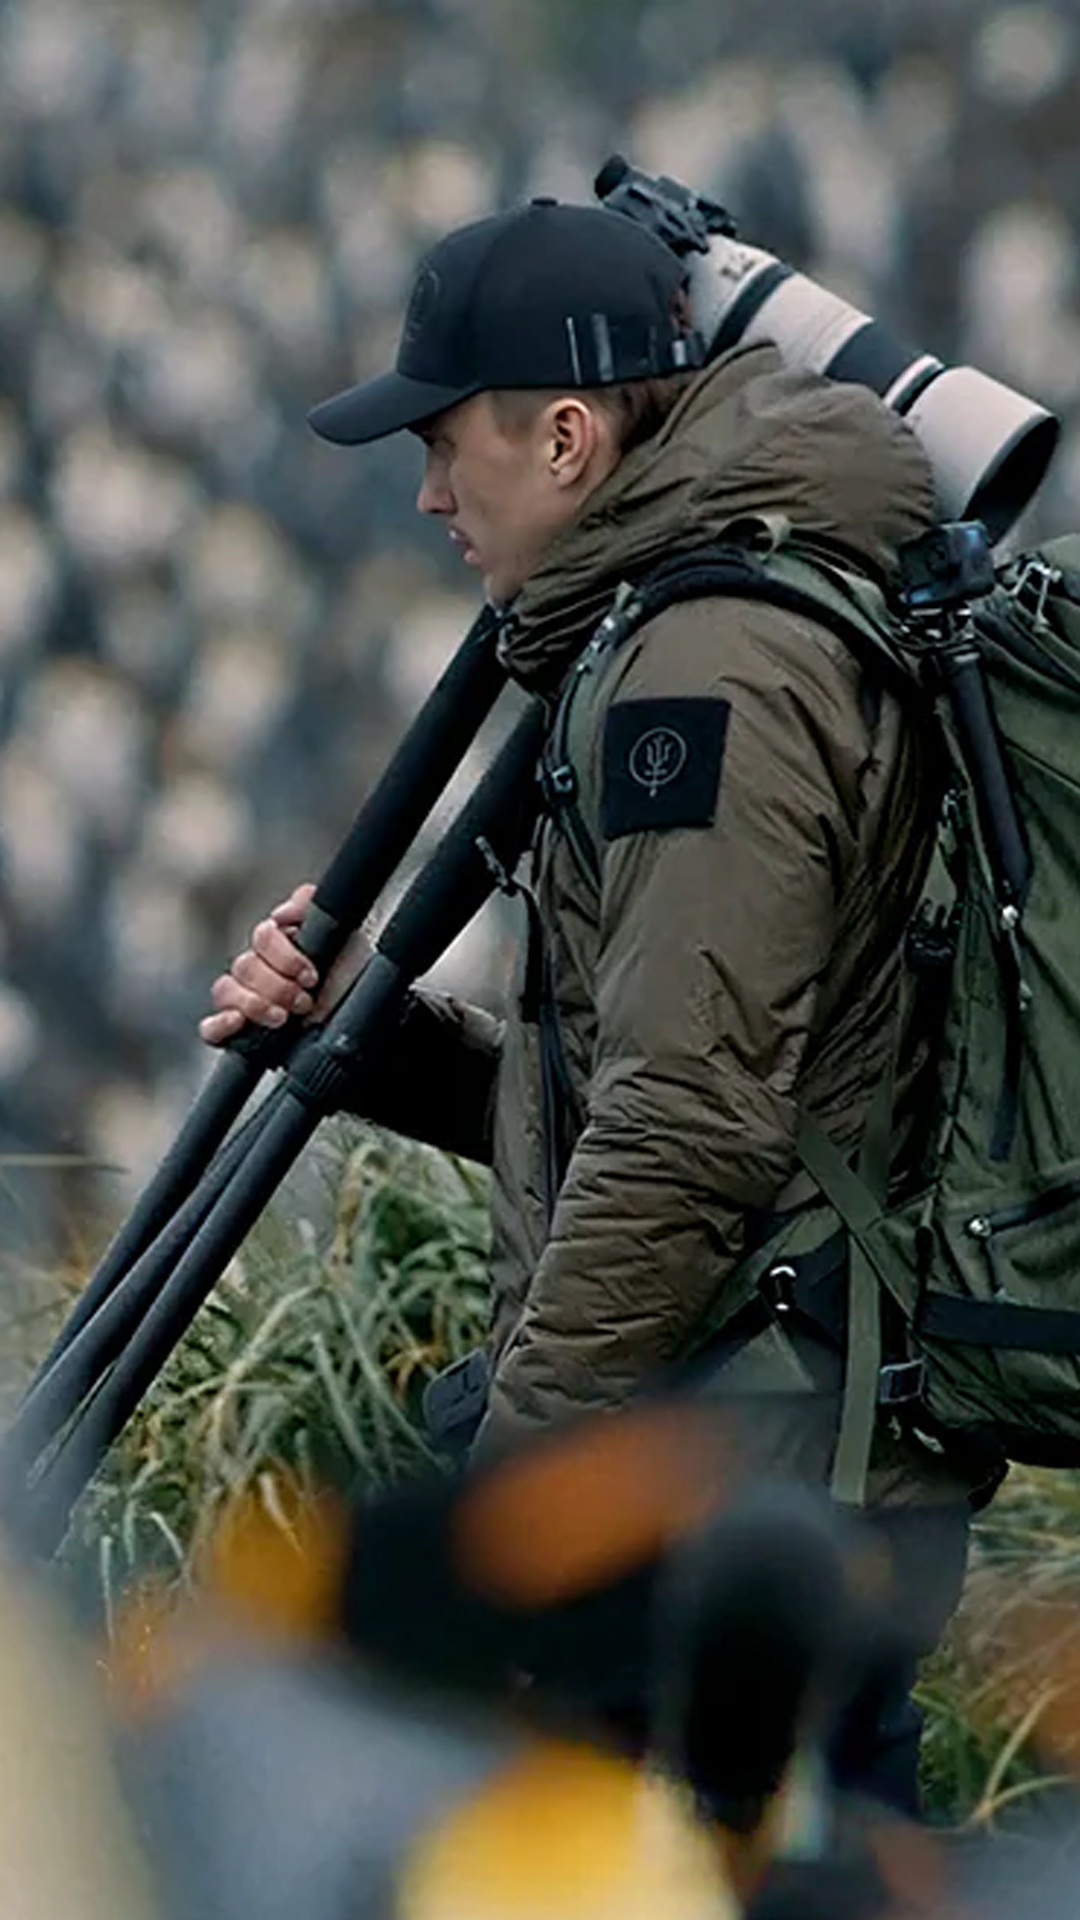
(338, 1723)
(567, 1832)
(443, 1668)
(275, 1789)
(391, 1708)
(66, 1851)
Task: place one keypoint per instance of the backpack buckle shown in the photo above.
(932, 938)
(558, 786)
(901, 1382)
(778, 1288)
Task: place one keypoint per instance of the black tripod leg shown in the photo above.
(75, 1367)
(377, 842)
(437, 907)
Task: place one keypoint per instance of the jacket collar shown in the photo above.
(747, 437)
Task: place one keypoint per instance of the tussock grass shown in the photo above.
(987, 1691)
(308, 1363)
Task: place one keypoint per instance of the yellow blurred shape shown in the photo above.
(66, 1852)
(1036, 1676)
(566, 1833)
(282, 1572)
(574, 1513)
(270, 1577)
(145, 1658)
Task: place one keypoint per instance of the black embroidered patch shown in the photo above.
(662, 761)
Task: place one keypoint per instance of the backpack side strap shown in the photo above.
(859, 1209)
(859, 1197)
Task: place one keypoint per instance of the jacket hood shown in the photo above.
(749, 436)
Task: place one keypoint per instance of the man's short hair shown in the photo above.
(636, 408)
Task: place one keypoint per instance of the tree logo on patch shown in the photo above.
(657, 758)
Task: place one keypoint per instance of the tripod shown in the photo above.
(221, 1171)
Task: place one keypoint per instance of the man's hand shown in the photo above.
(272, 980)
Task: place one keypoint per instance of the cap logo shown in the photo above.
(425, 297)
(657, 759)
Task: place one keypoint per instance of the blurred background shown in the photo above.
(213, 628)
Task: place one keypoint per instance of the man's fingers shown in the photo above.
(230, 996)
(280, 953)
(254, 985)
(237, 1006)
(257, 993)
(270, 981)
(290, 912)
(219, 1027)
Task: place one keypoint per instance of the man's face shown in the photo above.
(503, 487)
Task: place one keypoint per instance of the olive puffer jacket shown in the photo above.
(737, 959)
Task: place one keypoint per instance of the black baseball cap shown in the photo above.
(547, 295)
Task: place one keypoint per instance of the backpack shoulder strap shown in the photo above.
(758, 558)
(755, 558)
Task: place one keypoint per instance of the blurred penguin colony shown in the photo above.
(211, 627)
(388, 1711)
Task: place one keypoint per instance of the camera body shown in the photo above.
(946, 568)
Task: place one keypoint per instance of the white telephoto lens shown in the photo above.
(989, 446)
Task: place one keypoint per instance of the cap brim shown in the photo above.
(382, 406)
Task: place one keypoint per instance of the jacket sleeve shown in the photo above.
(713, 944)
(437, 1080)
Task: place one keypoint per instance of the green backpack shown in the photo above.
(983, 1259)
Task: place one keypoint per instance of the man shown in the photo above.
(759, 813)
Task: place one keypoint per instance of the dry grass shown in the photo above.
(308, 1361)
(989, 1694)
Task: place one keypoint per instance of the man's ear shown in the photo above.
(577, 436)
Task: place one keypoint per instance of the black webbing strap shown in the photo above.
(1007, 1111)
(997, 1323)
(736, 571)
(561, 1110)
(561, 1117)
(728, 569)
